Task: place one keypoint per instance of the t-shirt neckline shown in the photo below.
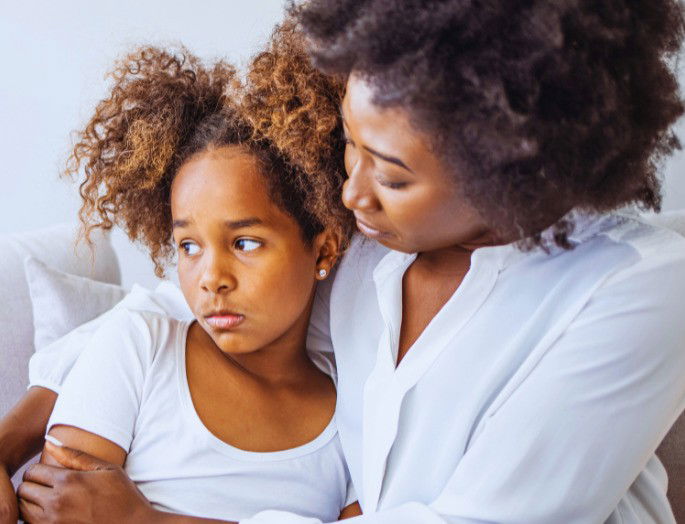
(224, 447)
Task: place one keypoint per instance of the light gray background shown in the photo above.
(54, 56)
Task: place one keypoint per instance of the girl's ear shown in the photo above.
(327, 245)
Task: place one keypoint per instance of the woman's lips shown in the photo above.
(371, 232)
(224, 321)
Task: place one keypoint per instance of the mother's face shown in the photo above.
(400, 193)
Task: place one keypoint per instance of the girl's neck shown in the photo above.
(283, 362)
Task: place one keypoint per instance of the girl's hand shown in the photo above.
(90, 490)
(9, 512)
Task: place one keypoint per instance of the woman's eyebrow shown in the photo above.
(386, 158)
(390, 159)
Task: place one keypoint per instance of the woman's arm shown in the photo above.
(21, 438)
(94, 486)
(81, 441)
(91, 490)
(22, 429)
(353, 510)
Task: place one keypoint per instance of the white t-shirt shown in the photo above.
(538, 394)
(129, 386)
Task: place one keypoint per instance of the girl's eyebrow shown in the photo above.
(231, 224)
(245, 222)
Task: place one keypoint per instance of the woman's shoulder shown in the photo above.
(657, 242)
(647, 263)
(360, 260)
(654, 235)
(616, 244)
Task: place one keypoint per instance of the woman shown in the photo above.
(508, 350)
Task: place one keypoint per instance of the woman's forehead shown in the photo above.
(385, 130)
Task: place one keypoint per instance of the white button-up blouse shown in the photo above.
(538, 394)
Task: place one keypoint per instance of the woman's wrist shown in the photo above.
(23, 427)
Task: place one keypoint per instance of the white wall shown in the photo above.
(54, 56)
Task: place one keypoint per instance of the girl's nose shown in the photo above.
(217, 276)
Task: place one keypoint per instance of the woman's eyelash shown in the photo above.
(391, 185)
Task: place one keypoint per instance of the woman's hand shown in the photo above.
(9, 512)
(90, 490)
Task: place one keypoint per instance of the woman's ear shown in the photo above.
(327, 245)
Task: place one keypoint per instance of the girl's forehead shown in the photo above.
(226, 186)
(219, 175)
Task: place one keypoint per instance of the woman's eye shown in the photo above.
(392, 185)
(247, 244)
(189, 248)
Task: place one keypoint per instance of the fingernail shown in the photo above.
(53, 440)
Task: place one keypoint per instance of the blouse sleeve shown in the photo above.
(565, 443)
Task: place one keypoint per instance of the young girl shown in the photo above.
(224, 414)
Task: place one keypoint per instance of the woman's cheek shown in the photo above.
(350, 159)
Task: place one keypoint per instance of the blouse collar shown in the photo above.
(587, 225)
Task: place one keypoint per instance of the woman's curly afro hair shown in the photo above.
(166, 106)
(537, 106)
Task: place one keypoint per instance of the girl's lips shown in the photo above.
(224, 321)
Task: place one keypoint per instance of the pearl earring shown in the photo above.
(323, 273)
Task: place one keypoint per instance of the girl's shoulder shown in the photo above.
(146, 334)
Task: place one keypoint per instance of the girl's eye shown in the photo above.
(189, 248)
(247, 244)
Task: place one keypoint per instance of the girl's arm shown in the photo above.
(86, 442)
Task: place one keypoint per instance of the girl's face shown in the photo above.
(400, 193)
(243, 266)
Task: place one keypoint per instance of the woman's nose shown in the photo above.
(358, 194)
(217, 276)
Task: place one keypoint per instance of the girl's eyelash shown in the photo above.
(257, 244)
(184, 247)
